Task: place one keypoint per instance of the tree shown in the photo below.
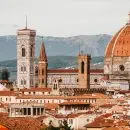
(5, 74)
(65, 126)
(51, 127)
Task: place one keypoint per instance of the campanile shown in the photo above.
(25, 57)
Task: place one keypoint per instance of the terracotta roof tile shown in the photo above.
(36, 90)
(73, 71)
(74, 115)
(74, 103)
(62, 70)
(107, 105)
(51, 105)
(87, 96)
(20, 123)
(7, 93)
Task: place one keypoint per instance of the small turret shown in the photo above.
(43, 56)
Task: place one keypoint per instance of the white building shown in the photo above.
(25, 57)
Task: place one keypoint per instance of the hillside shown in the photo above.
(57, 46)
(54, 62)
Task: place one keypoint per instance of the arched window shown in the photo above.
(56, 87)
(122, 68)
(95, 80)
(82, 67)
(77, 80)
(60, 80)
(24, 68)
(42, 71)
(24, 82)
(21, 82)
(42, 81)
(36, 71)
(21, 68)
(31, 51)
(23, 52)
(31, 81)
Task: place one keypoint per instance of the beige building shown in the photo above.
(82, 77)
(25, 57)
(25, 109)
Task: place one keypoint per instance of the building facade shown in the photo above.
(117, 55)
(82, 77)
(84, 71)
(25, 58)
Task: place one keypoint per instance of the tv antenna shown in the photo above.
(26, 22)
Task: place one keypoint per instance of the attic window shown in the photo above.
(122, 68)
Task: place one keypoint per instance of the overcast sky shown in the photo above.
(64, 17)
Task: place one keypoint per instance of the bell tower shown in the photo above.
(42, 67)
(84, 70)
(25, 57)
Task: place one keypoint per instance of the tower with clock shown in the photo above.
(25, 57)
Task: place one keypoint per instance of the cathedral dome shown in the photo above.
(119, 46)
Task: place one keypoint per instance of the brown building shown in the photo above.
(82, 77)
(42, 68)
(84, 71)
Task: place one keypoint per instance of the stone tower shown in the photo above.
(42, 67)
(84, 70)
(25, 57)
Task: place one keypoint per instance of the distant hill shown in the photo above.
(54, 62)
(61, 51)
(57, 46)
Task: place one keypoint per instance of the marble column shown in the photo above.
(26, 111)
(40, 112)
(22, 111)
(10, 112)
(15, 112)
(36, 111)
(31, 111)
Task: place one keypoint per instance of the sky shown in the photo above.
(63, 18)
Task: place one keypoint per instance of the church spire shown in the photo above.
(42, 67)
(43, 56)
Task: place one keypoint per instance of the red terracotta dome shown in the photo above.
(119, 45)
